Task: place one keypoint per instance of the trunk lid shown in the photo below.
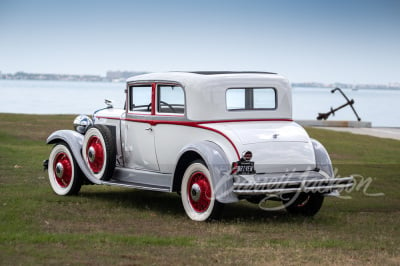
(277, 146)
(260, 132)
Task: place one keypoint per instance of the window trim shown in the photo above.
(154, 98)
(130, 107)
(249, 99)
(158, 98)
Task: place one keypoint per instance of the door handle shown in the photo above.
(149, 129)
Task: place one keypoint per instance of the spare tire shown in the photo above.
(99, 151)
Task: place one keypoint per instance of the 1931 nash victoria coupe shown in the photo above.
(213, 137)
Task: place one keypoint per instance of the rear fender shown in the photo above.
(219, 168)
(74, 141)
(322, 159)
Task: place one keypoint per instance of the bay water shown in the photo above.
(381, 107)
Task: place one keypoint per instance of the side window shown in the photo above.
(240, 99)
(171, 99)
(140, 98)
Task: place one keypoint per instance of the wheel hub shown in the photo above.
(199, 192)
(195, 192)
(62, 169)
(95, 154)
(92, 154)
(59, 170)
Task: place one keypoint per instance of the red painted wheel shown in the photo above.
(63, 169)
(64, 175)
(197, 191)
(98, 152)
(95, 152)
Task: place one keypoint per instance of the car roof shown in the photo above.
(189, 78)
(205, 91)
(227, 72)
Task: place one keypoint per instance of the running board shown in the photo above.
(135, 185)
(135, 178)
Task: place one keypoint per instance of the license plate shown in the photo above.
(245, 168)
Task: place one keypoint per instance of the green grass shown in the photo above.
(108, 225)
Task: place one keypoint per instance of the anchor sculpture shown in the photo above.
(325, 116)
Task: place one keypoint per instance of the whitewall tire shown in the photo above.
(64, 175)
(197, 192)
(98, 152)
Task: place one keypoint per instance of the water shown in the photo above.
(381, 107)
(58, 97)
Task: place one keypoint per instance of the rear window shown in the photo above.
(238, 99)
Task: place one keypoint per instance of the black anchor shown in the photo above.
(325, 116)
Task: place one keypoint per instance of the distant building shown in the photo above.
(40, 76)
(122, 75)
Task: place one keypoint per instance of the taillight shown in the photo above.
(235, 166)
(247, 155)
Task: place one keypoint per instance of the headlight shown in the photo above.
(82, 123)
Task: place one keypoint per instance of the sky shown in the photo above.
(352, 41)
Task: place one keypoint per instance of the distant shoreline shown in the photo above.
(354, 87)
(294, 85)
(121, 76)
(111, 76)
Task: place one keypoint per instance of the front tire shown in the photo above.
(306, 204)
(99, 152)
(197, 193)
(64, 174)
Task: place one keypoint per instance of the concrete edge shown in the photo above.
(386, 133)
(334, 123)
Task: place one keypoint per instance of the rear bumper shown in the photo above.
(283, 183)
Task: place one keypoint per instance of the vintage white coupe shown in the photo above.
(213, 137)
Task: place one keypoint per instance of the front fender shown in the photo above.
(219, 168)
(74, 141)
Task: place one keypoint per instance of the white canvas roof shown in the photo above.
(206, 93)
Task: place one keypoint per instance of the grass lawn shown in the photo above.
(108, 225)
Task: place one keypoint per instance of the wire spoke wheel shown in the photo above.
(197, 193)
(99, 152)
(95, 152)
(63, 169)
(64, 175)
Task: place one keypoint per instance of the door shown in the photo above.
(137, 132)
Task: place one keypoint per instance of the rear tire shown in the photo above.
(306, 204)
(256, 199)
(197, 193)
(64, 174)
(99, 152)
